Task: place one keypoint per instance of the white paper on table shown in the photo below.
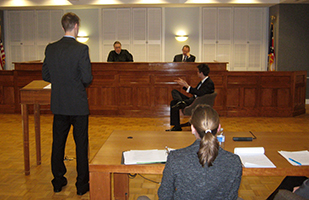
(299, 156)
(253, 157)
(47, 86)
(144, 156)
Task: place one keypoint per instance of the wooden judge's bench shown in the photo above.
(144, 89)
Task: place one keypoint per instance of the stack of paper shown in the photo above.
(253, 157)
(296, 158)
(144, 156)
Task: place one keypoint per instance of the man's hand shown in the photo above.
(295, 188)
(182, 82)
(188, 54)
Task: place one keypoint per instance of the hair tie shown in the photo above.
(208, 130)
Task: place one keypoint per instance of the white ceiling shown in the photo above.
(22, 4)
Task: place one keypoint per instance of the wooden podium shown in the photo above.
(33, 94)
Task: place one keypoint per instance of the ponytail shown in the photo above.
(208, 151)
(206, 121)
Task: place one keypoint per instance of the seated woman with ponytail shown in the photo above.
(202, 170)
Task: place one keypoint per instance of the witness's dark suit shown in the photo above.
(178, 58)
(207, 87)
(67, 67)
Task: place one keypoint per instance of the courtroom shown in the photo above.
(149, 100)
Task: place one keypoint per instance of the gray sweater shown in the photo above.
(185, 178)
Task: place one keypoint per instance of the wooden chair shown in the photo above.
(208, 99)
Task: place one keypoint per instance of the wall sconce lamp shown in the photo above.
(181, 38)
(82, 39)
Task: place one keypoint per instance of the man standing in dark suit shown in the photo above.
(67, 67)
(180, 101)
(185, 56)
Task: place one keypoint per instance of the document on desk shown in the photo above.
(47, 86)
(134, 157)
(253, 157)
(296, 158)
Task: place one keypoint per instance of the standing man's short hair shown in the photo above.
(69, 20)
(203, 68)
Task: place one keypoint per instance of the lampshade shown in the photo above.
(181, 38)
(82, 39)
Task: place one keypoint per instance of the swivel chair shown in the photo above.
(208, 99)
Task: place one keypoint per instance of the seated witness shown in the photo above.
(202, 170)
(180, 101)
(119, 55)
(185, 56)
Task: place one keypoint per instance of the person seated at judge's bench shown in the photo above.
(202, 170)
(119, 55)
(185, 56)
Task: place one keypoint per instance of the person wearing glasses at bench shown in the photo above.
(202, 170)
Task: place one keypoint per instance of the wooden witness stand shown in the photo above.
(107, 162)
(33, 94)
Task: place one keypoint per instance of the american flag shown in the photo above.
(2, 56)
(271, 50)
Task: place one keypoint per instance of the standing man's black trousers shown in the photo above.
(61, 128)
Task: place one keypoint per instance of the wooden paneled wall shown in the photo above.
(266, 93)
(144, 89)
(7, 97)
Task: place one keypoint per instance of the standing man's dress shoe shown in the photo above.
(59, 188)
(82, 192)
(174, 129)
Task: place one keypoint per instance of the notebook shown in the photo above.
(134, 157)
(253, 157)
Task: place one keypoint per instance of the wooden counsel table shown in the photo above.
(33, 94)
(107, 162)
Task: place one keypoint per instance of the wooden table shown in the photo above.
(107, 162)
(33, 93)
